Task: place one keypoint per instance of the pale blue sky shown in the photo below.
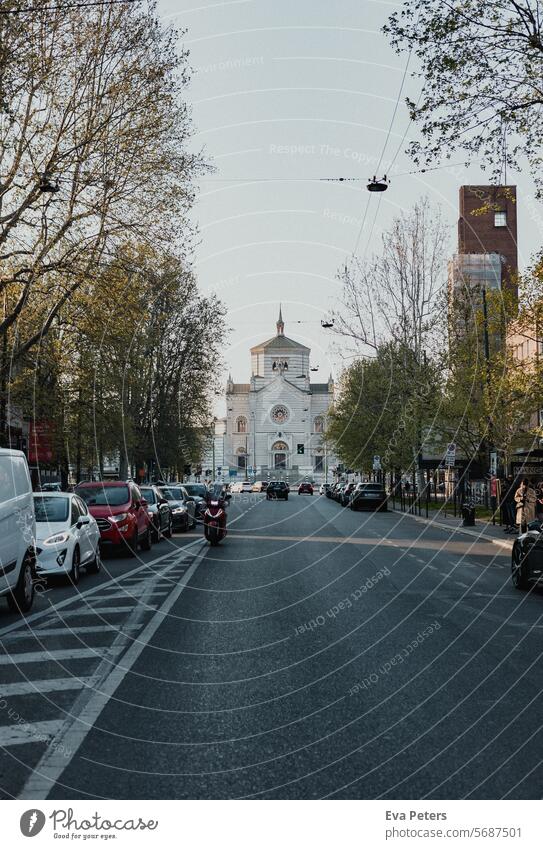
(296, 90)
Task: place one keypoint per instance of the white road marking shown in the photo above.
(69, 631)
(32, 732)
(460, 584)
(53, 685)
(46, 656)
(90, 703)
(433, 568)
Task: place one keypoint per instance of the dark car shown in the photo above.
(338, 490)
(183, 507)
(277, 489)
(527, 557)
(199, 492)
(159, 511)
(305, 488)
(120, 512)
(368, 496)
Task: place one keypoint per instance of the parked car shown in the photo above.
(328, 492)
(527, 557)
(120, 512)
(324, 488)
(260, 486)
(197, 491)
(235, 487)
(346, 494)
(369, 496)
(160, 512)
(183, 507)
(67, 536)
(277, 489)
(17, 531)
(305, 488)
(338, 489)
(51, 487)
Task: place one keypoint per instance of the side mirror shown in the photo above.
(83, 520)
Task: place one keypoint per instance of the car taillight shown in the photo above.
(214, 503)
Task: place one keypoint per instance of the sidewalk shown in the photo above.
(484, 529)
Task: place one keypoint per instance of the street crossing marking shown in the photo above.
(56, 654)
(32, 732)
(53, 685)
(68, 631)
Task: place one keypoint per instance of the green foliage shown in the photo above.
(481, 62)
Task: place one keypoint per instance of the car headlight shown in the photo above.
(119, 518)
(177, 510)
(57, 539)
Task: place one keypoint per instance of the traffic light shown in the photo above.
(301, 448)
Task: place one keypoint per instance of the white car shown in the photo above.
(17, 531)
(67, 536)
(236, 487)
(246, 486)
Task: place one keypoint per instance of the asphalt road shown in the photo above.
(316, 653)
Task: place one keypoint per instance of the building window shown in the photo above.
(500, 218)
(242, 458)
(241, 424)
(318, 424)
(319, 463)
(279, 414)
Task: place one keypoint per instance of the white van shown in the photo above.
(17, 531)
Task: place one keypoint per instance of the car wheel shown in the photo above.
(75, 571)
(518, 569)
(168, 531)
(21, 598)
(147, 540)
(95, 565)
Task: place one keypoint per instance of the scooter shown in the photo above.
(214, 522)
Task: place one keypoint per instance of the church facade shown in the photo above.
(274, 424)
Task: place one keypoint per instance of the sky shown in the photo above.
(282, 93)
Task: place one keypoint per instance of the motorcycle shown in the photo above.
(215, 521)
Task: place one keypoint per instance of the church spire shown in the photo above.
(280, 323)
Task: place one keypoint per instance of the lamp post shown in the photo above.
(253, 417)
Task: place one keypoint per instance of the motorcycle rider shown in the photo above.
(216, 499)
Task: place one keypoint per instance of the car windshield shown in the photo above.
(50, 509)
(196, 489)
(149, 495)
(171, 493)
(112, 496)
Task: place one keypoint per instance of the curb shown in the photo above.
(503, 543)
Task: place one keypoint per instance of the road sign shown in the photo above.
(450, 456)
(376, 463)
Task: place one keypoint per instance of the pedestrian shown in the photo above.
(407, 487)
(525, 500)
(508, 504)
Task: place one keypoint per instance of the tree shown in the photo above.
(481, 62)
(381, 407)
(397, 295)
(93, 136)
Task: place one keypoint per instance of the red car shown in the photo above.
(305, 487)
(120, 512)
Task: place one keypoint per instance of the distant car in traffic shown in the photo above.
(246, 486)
(51, 487)
(260, 486)
(527, 557)
(67, 536)
(183, 507)
(368, 496)
(324, 488)
(159, 511)
(305, 488)
(277, 489)
(199, 492)
(121, 514)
